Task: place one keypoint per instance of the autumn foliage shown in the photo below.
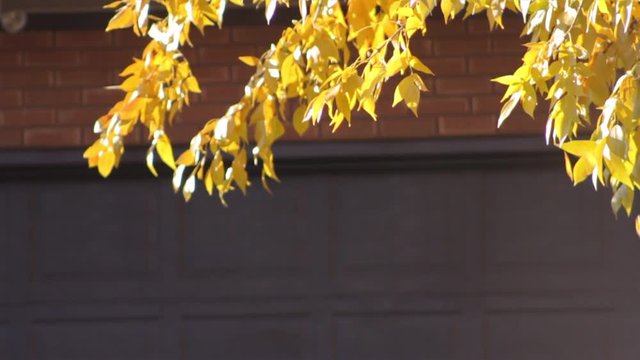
(582, 60)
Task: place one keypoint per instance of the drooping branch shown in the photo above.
(582, 58)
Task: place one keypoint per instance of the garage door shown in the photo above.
(479, 257)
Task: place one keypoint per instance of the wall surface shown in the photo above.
(51, 84)
(368, 260)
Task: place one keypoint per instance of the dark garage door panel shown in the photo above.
(492, 263)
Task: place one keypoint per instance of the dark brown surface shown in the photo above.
(370, 256)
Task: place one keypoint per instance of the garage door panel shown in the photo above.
(543, 234)
(553, 335)
(532, 217)
(269, 234)
(401, 336)
(266, 244)
(4, 339)
(100, 235)
(408, 226)
(96, 338)
(246, 337)
(8, 280)
(5, 236)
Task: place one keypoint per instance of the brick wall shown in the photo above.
(51, 84)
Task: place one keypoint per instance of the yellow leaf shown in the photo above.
(208, 179)
(414, 24)
(409, 92)
(134, 68)
(299, 124)
(343, 106)
(177, 177)
(186, 158)
(369, 105)
(290, 71)
(189, 187)
(192, 85)
(240, 175)
(122, 19)
(130, 84)
(418, 65)
(508, 107)
(165, 150)
(270, 9)
(507, 80)
(314, 109)
(250, 60)
(638, 225)
(568, 166)
(113, 5)
(396, 64)
(582, 170)
(106, 163)
(149, 160)
(623, 197)
(618, 170)
(579, 147)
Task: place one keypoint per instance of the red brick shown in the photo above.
(26, 40)
(129, 39)
(510, 44)
(88, 136)
(53, 137)
(53, 97)
(191, 54)
(421, 47)
(359, 129)
(463, 86)
(493, 65)
(385, 109)
(10, 58)
(262, 35)
(212, 35)
(82, 39)
(25, 78)
(182, 134)
(211, 74)
(437, 28)
(483, 104)
(227, 94)
(405, 128)
(27, 117)
(101, 96)
(447, 65)
(84, 77)
(241, 73)
(80, 116)
(443, 105)
(225, 54)
(10, 138)
(479, 24)
(51, 58)
(110, 58)
(462, 46)
(519, 123)
(467, 125)
(200, 114)
(10, 98)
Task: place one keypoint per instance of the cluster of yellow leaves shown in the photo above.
(582, 58)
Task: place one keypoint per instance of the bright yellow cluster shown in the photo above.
(582, 57)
